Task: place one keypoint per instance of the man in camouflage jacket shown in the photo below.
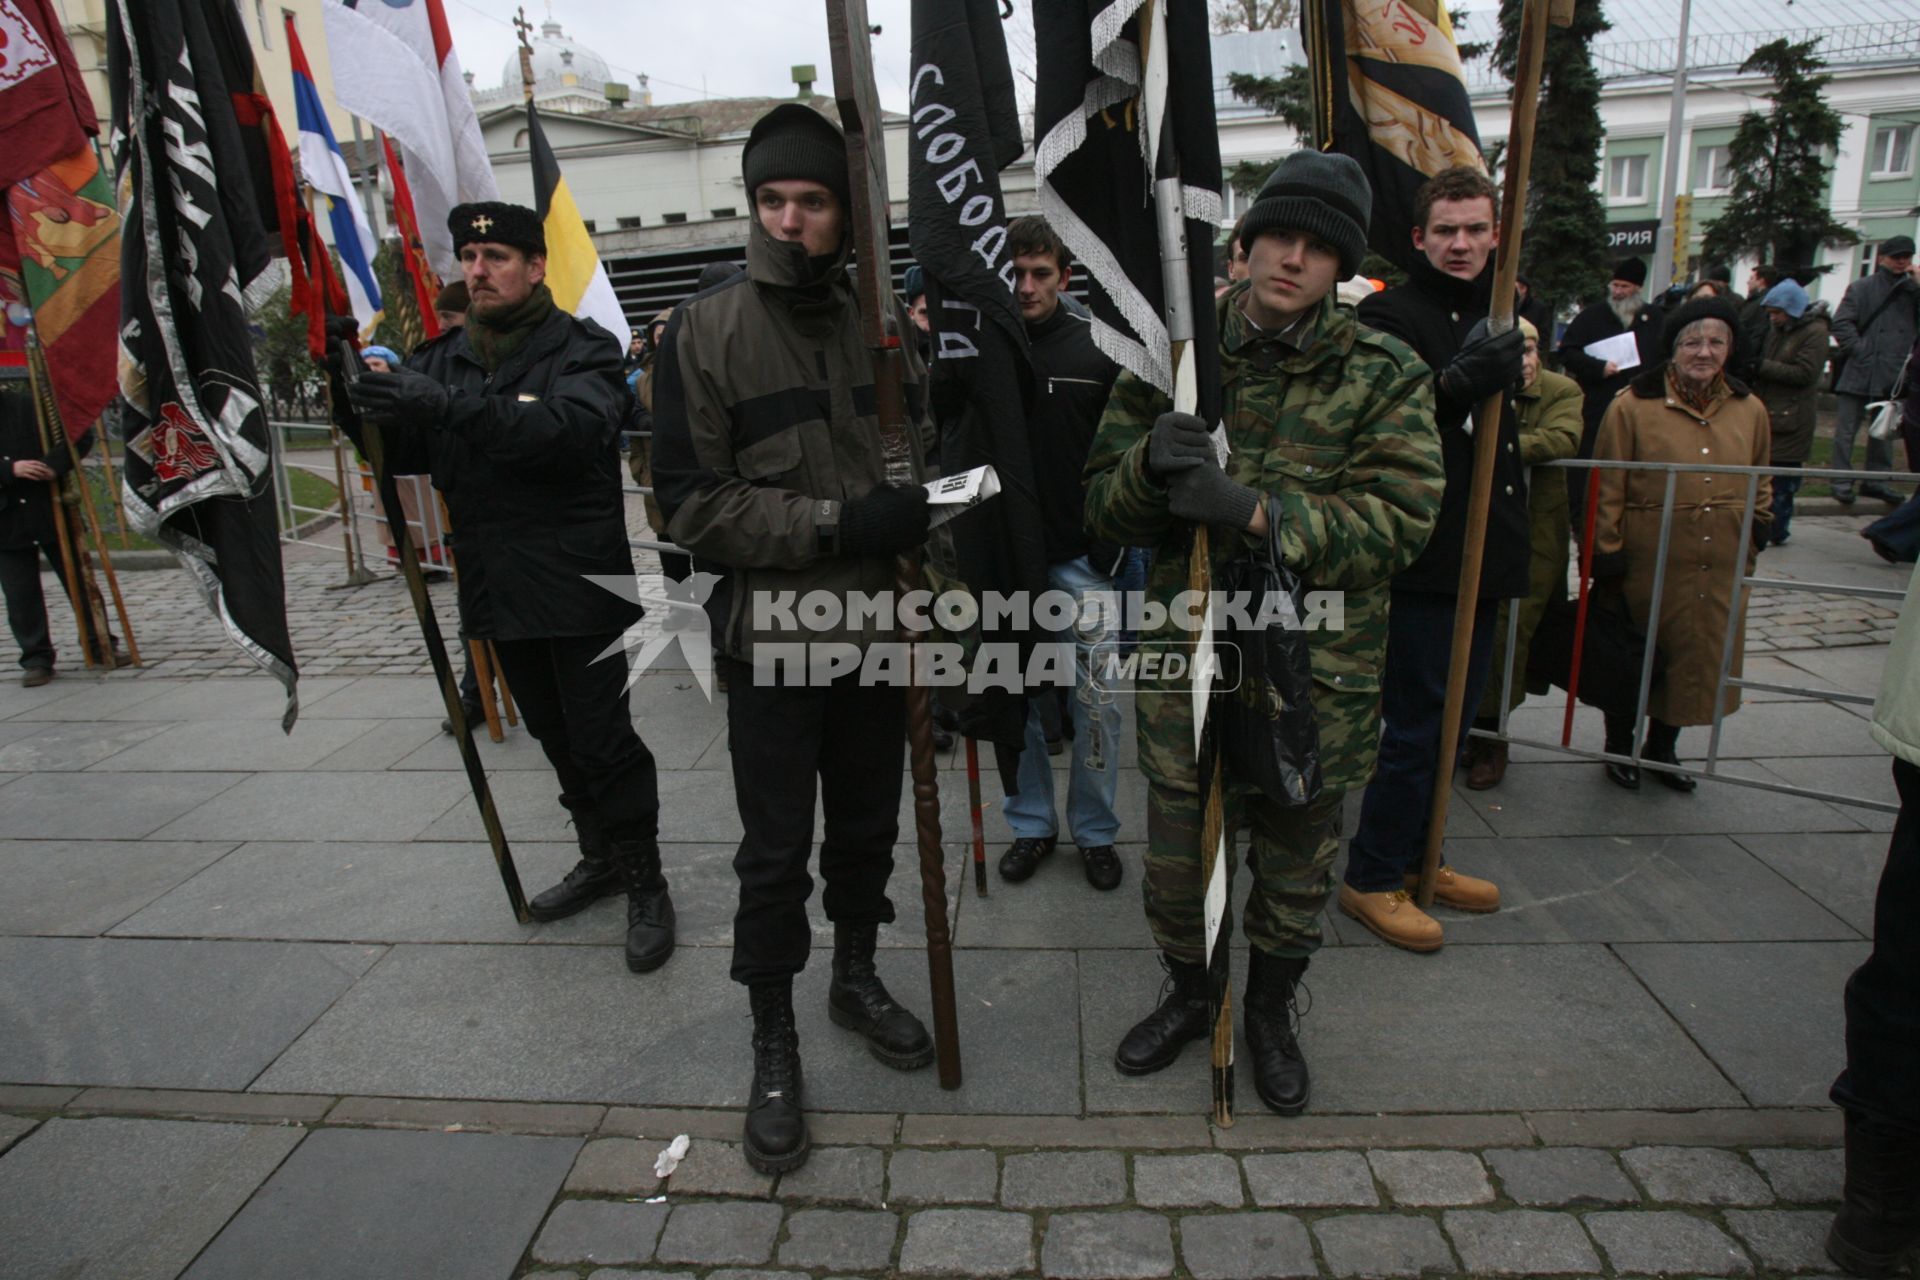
(1331, 431)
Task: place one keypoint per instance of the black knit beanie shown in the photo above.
(795, 141)
(1322, 194)
(1701, 309)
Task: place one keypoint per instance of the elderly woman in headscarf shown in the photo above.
(1685, 410)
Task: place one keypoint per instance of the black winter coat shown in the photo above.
(1072, 377)
(529, 461)
(26, 506)
(1595, 323)
(1433, 313)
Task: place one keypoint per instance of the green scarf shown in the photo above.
(494, 339)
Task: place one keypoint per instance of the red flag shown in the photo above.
(413, 254)
(45, 111)
(327, 297)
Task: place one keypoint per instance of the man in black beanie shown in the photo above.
(768, 464)
(517, 416)
(1623, 310)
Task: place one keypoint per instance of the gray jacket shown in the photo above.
(1874, 357)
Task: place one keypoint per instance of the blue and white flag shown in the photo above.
(326, 171)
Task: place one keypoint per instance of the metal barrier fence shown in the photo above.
(644, 491)
(1743, 585)
(318, 449)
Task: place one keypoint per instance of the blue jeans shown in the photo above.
(1784, 487)
(1393, 817)
(1094, 779)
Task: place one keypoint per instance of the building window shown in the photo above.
(673, 218)
(588, 224)
(1869, 250)
(1893, 151)
(726, 211)
(627, 224)
(1627, 179)
(1712, 171)
(260, 20)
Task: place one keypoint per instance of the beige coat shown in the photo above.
(1646, 423)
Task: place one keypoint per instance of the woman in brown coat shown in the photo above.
(1686, 410)
(1792, 357)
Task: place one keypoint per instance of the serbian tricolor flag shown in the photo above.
(579, 283)
(394, 64)
(326, 172)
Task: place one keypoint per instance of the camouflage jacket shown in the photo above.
(1343, 433)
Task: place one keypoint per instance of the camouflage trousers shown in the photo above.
(1289, 851)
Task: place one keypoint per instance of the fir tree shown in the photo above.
(1565, 247)
(1288, 100)
(1781, 161)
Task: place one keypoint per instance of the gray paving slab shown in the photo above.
(616, 1166)
(1784, 1239)
(11, 731)
(203, 746)
(847, 1239)
(600, 1231)
(1187, 1182)
(382, 747)
(1861, 777)
(942, 1177)
(1561, 1176)
(374, 697)
(1128, 1245)
(53, 748)
(1780, 1053)
(1063, 1179)
(1762, 728)
(112, 1199)
(1520, 1242)
(1855, 669)
(838, 1175)
(1393, 1032)
(1840, 872)
(1246, 1246)
(968, 1242)
(252, 697)
(373, 1202)
(162, 1014)
(1575, 799)
(88, 698)
(1630, 889)
(720, 1231)
(14, 1128)
(706, 892)
(85, 887)
(353, 892)
(1696, 1175)
(16, 700)
(1803, 1175)
(528, 802)
(99, 806)
(1666, 1243)
(468, 1021)
(1057, 908)
(341, 806)
(1425, 1178)
(1381, 1244)
(1311, 1179)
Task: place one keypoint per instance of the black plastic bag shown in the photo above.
(1262, 717)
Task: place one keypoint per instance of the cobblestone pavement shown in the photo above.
(915, 1195)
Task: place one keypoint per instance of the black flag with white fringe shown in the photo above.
(194, 243)
(1097, 189)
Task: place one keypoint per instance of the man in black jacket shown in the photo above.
(1072, 378)
(1441, 313)
(27, 532)
(517, 416)
(1623, 310)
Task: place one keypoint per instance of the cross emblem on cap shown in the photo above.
(482, 224)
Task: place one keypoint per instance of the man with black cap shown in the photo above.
(517, 416)
(1623, 310)
(1441, 312)
(1330, 433)
(1872, 333)
(768, 462)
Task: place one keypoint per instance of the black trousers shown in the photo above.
(27, 603)
(1881, 1081)
(576, 709)
(853, 740)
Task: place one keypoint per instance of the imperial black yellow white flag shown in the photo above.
(574, 273)
(1389, 90)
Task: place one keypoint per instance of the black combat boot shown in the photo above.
(776, 1132)
(594, 877)
(1180, 1017)
(1878, 1227)
(859, 1001)
(1272, 1022)
(649, 909)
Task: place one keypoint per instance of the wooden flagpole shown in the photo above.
(850, 45)
(46, 415)
(1534, 18)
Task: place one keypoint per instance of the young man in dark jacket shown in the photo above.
(517, 416)
(1071, 380)
(1441, 313)
(769, 464)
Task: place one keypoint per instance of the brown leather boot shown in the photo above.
(1462, 893)
(1394, 917)
(1488, 765)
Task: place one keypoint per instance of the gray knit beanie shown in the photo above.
(795, 141)
(1322, 194)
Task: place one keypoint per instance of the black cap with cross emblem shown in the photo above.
(496, 222)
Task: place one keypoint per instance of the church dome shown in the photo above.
(559, 63)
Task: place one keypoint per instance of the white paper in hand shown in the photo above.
(1622, 349)
(950, 495)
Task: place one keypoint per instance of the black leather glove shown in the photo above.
(1179, 442)
(342, 335)
(1485, 365)
(402, 396)
(1206, 496)
(887, 520)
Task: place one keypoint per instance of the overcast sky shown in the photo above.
(707, 48)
